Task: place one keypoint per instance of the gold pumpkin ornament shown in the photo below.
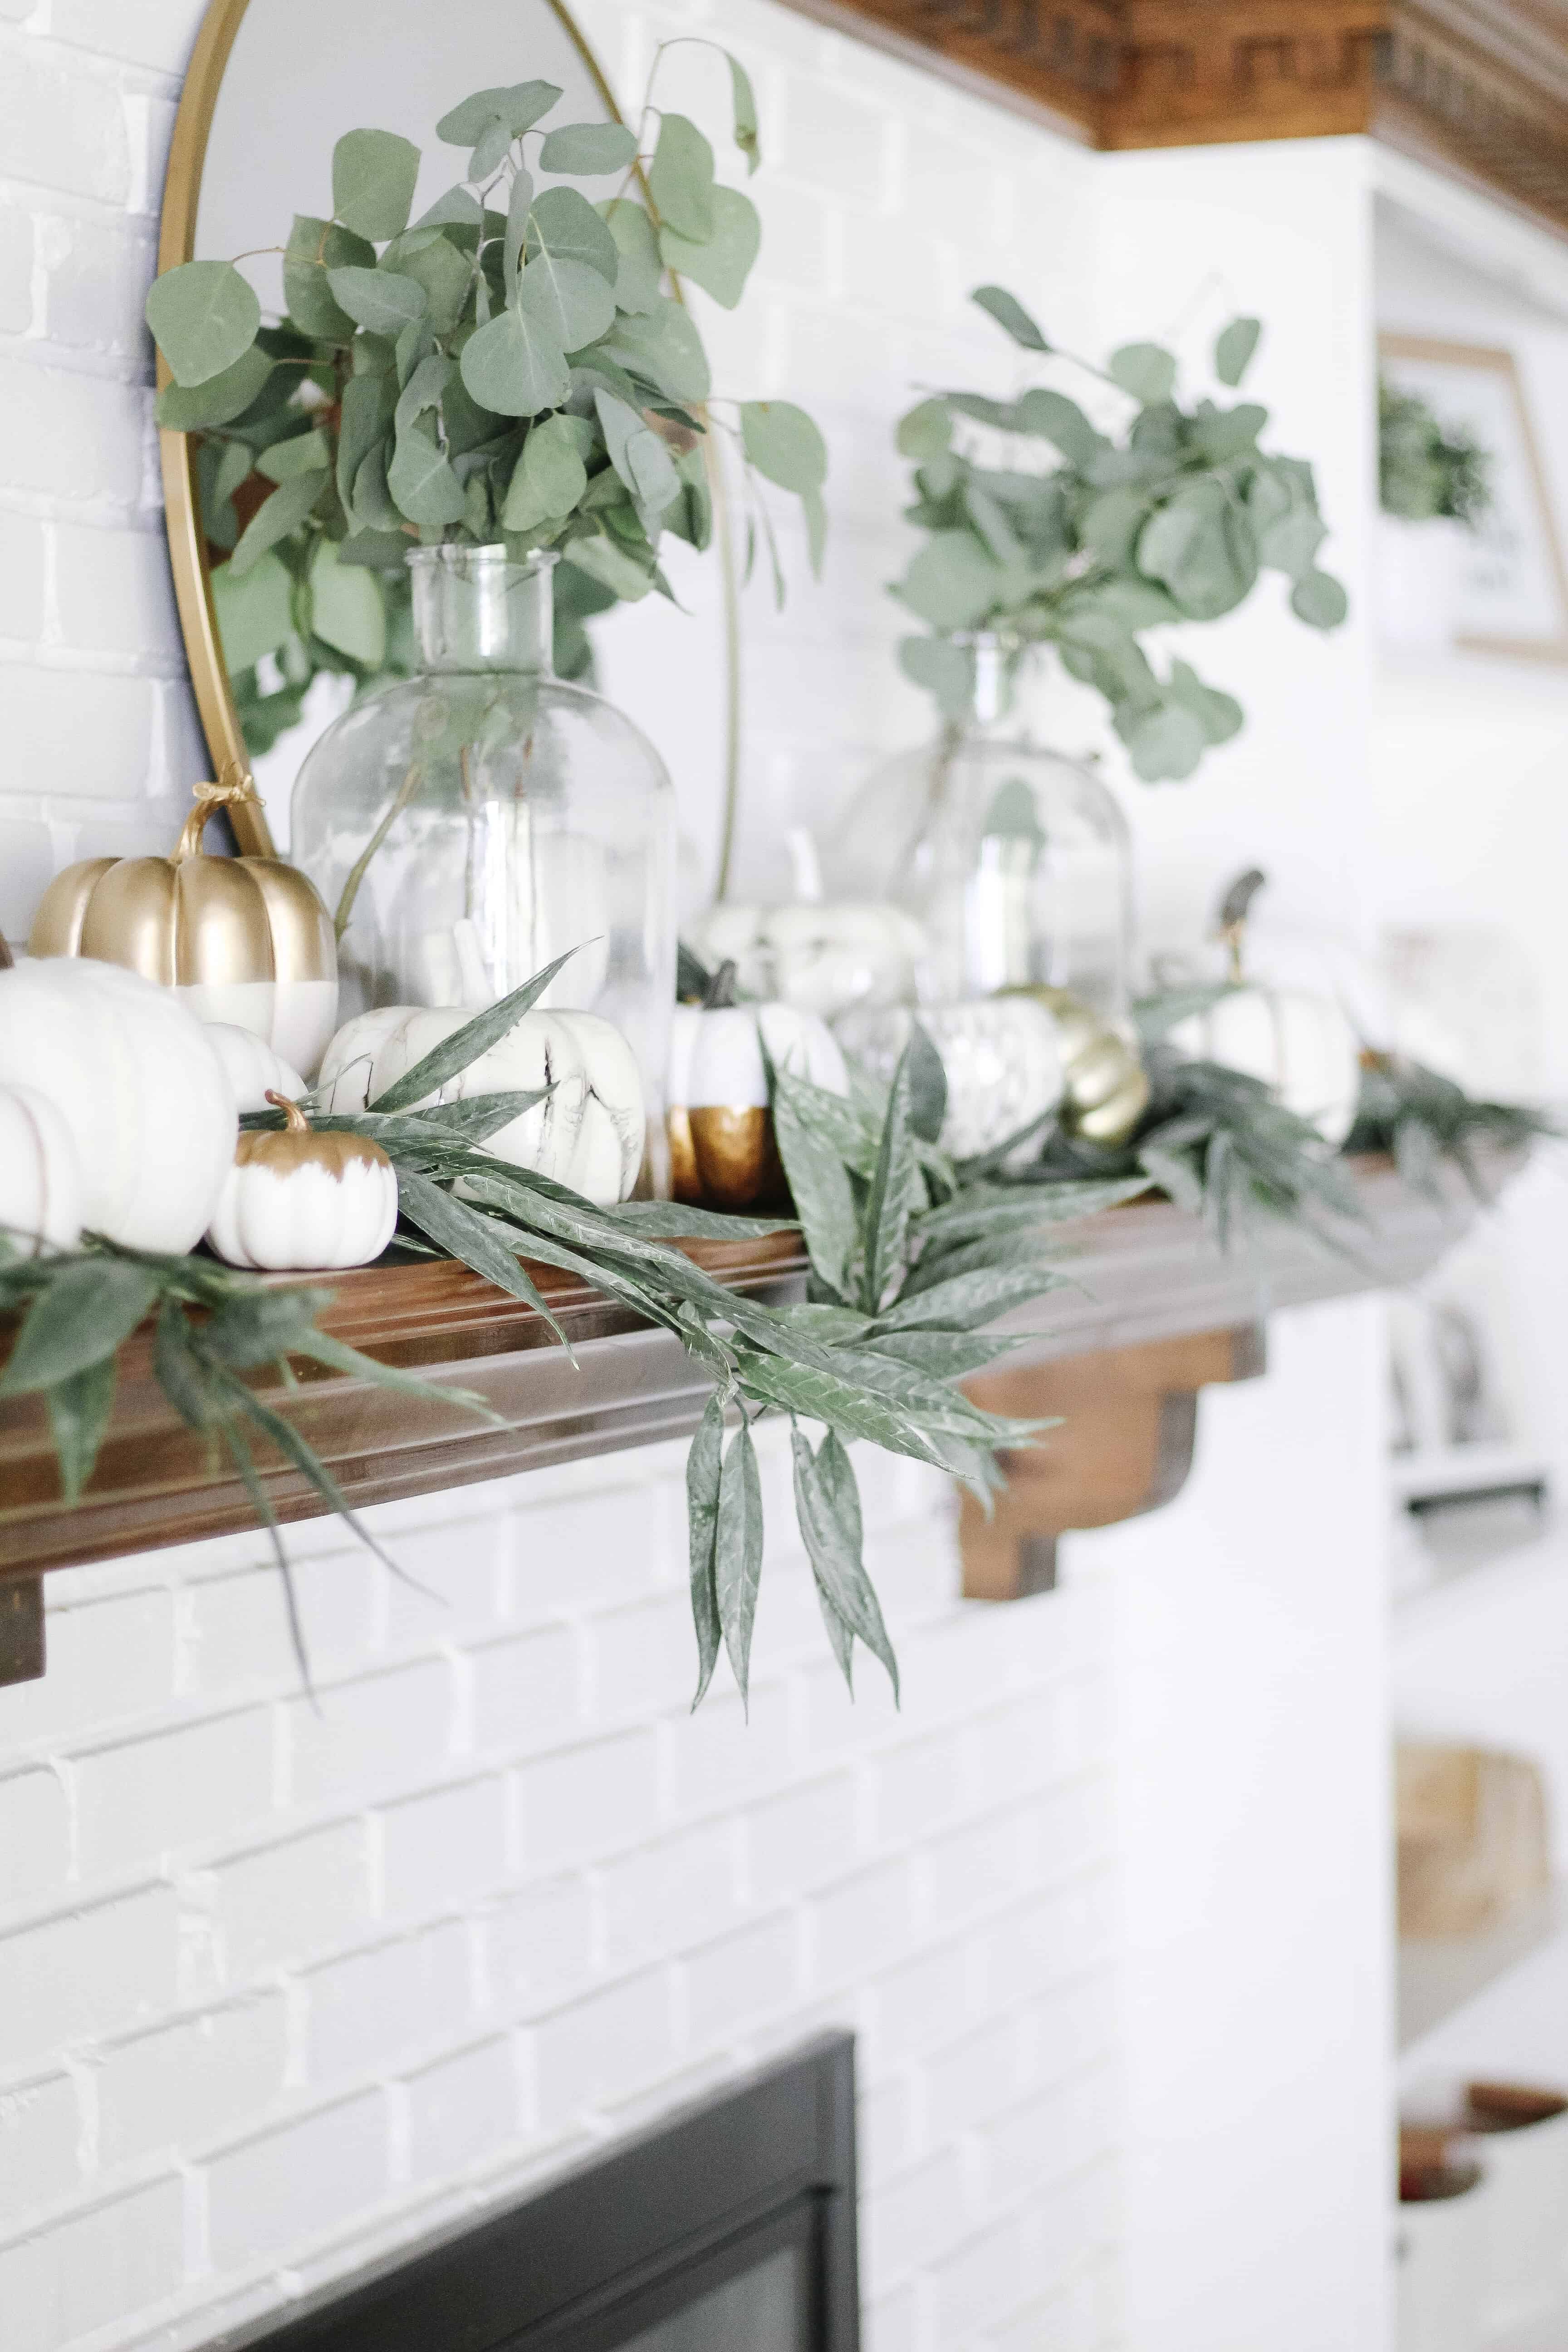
(1105, 1092)
(241, 940)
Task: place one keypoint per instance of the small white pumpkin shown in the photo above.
(138, 1086)
(41, 1177)
(821, 959)
(1002, 1056)
(254, 1070)
(1302, 1045)
(301, 1203)
(722, 1151)
(590, 1133)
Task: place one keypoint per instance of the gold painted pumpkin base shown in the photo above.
(724, 1157)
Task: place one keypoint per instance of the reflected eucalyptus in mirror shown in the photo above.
(1169, 516)
(515, 365)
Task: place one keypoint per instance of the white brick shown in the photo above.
(452, 1576)
(461, 2109)
(187, 2082)
(717, 1759)
(919, 2004)
(860, 1927)
(370, 1739)
(40, 2136)
(90, 734)
(21, 577)
(285, 1902)
(972, 2079)
(675, 1891)
(643, 1656)
(980, 1865)
(62, 126)
(144, 32)
(742, 1978)
(235, 1627)
(296, 2183)
(576, 1554)
(79, 436)
(539, 1944)
(26, 865)
(906, 2217)
(113, 593)
(34, 1835)
(107, 1659)
(525, 1691)
(978, 2284)
(90, 1972)
(609, 2043)
(920, 1785)
(369, 2007)
(442, 1850)
(91, 2270)
(587, 1800)
(1059, 2131)
(801, 1839)
(15, 271)
(143, 1799)
(98, 281)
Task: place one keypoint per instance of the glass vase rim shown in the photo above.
(454, 555)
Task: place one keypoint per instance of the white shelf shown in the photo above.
(1438, 1975)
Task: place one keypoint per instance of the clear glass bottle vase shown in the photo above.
(1015, 861)
(469, 825)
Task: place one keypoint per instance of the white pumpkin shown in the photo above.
(254, 1070)
(40, 1176)
(821, 959)
(590, 1134)
(301, 1203)
(716, 1054)
(1302, 1045)
(1002, 1056)
(140, 1087)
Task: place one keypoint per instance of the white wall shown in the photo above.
(274, 1989)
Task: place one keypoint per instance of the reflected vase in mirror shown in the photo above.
(1015, 861)
(469, 825)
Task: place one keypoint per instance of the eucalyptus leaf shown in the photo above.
(680, 179)
(783, 442)
(549, 478)
(374, 173)
(1010, 316)
(204, 317)
(277, 518)
(1317, 599)
(1145, 370)
(722, 262)
(348, 609)
(664, 346)
(514, 366)
(518, 106)
(365, 412)
(255, 610)
(589, 149)
(1234, 348)
(926, 432)
(638, 271)
(301, 452)
(220, 399)
(570, 300)
(565, 226)
(953, 582)
(743, 106)
(520, 203)
(637, 454)
(316, 248)
(420, 478)
(379, 300)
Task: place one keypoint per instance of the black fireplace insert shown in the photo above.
(730, 2227)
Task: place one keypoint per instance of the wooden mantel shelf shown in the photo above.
(1145, 1272)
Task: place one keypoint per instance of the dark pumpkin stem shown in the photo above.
(719, 992)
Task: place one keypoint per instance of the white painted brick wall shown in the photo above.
(280, 1985)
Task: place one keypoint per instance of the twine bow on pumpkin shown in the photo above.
(235, 785)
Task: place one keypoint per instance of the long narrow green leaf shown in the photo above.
(79, 1407)
(454, 1228)
(738, 1552)
(896, 1193)
(339, 1357)
(702, 1476)
(820, 1187)
(261, 1501)
(467, 1043)
(81, 1317)
(970, 1300)
(827, 1507)
(1020, 1208)
(671, 1221)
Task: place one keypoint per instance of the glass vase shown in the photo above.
(470, 823)
(1014, 860)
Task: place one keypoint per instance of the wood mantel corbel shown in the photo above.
(1480, 87)
(1129, 1419)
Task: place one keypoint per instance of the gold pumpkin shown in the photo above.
(1104, 1090)
(242, 940)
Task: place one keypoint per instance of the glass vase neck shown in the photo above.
(999, 663)
(475, 608)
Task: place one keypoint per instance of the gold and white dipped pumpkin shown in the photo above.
(722, 1151)
(301, 1203)
(253, 1069)
(243, 939)
(1000, 1054)
(40, 1176)
(589, 1133)
(138, 1085)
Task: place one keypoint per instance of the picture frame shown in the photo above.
(1513, 591)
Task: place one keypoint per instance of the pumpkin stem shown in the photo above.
(719, 992)
(208, 798)
(294, 1119)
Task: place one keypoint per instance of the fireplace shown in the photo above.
(730, 2224)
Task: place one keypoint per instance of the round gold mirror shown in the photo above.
(272, 85)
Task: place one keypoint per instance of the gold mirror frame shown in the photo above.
(176, 451)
